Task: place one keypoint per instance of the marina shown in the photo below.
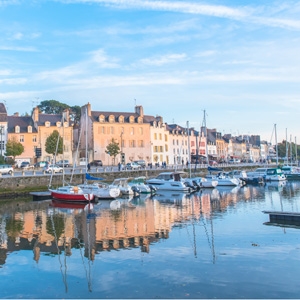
(213, 243)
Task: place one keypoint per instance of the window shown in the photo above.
(47, 124)
(29, 129)
(112, 130)
(111, 118)
(166, 148)
(141, 143)
(101, 119)
(17, 129)
(132, 143)
(160, 136)
(140, 120)
(166, 137)
(131, 130)
(21, 138)
(121, 119)
(58, 124)
(141, 130)
(155, 136)
(131, 119)
(34, 138)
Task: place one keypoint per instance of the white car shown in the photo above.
(53, 169)
(6, 169)
(132, 166)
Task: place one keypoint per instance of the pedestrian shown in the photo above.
(182, 162)
(119, 166)
(89, 167)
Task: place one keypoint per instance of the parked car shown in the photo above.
(63, 163)
(96, 163)
(26, 165)
(6, 169)
(141, 162)
(132, 166)
(41, 164)
(213, 163)
(53, 168)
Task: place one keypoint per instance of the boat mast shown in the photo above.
(296, 159)
(86, 140)
(189, 147)
(276, 145)
(205, 132)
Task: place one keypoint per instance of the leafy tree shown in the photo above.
(14, 227)
(52, 107)
(14, 148)
(55, 225)
(113, 149)
(51, 143)
(75, 113)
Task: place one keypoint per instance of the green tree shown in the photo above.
(52, 107)
(55, 225)
(75, 114)
(51, 143)
(113, 149)
(14, 227)
(14, 148)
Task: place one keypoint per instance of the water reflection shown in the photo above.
(52, 228)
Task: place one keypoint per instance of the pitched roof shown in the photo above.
(3, 113)
(22, 122)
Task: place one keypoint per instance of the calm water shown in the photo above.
(212, 244)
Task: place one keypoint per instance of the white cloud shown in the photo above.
(163, 60)
(16, 48)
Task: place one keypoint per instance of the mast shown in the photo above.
(86, 140)
(276, 144)
(189, 147)
(296, 159)
(205, 132)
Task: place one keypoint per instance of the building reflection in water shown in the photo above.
(50, 228)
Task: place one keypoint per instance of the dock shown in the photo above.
(283, 218)
(38, 196)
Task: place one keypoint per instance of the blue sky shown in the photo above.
(237, 60)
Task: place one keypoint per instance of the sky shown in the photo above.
(235, 61)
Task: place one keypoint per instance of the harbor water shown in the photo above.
(215, 243)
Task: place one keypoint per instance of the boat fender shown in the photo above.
(75, 189)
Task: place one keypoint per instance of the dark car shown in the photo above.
(96, 163)
(63, 163)
(141, 163)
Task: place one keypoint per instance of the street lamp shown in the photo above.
(122, 154)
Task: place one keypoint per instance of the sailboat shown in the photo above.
(99, 191)
(69, 192)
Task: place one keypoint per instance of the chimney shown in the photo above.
(35, 114)
(139, 110)
(16, 114)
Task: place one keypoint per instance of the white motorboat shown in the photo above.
(203, 182)
(224, 180)
(124, 187)
(101, 191)
(142, 186)
(274, 174)
(291, 172)
(170, 181)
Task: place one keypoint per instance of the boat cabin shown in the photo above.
(167, 176)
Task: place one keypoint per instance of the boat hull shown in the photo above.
(85, 197)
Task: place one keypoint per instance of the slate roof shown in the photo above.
(22, 122)
(3, 113)
(53, 119)
(95, 116)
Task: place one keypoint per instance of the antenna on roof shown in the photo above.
(134, 102)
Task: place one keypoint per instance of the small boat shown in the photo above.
(124, 187)
(203, 182)
(274, 174)
(291, 172)
(257, 175)
(224, 180)
(71, 193)
(170, 181)
(100, 190)
(142, 186)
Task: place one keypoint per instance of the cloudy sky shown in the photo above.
(239, 60)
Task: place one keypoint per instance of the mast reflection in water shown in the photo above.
(210, 244)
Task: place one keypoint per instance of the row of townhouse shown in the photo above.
(140, 137)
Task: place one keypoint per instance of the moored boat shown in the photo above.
(71, 193)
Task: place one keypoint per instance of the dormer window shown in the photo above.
(101, 119)
(131, 119)
(17, 129)
(58, 124)
(121, 119)
(140, 120)
(111, 118)
(47, 124)
(66, 124)
(29, 129)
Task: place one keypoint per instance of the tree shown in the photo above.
(51, 143)
(14, 148)
(52, 107)
(113, 149)
(75, 114)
